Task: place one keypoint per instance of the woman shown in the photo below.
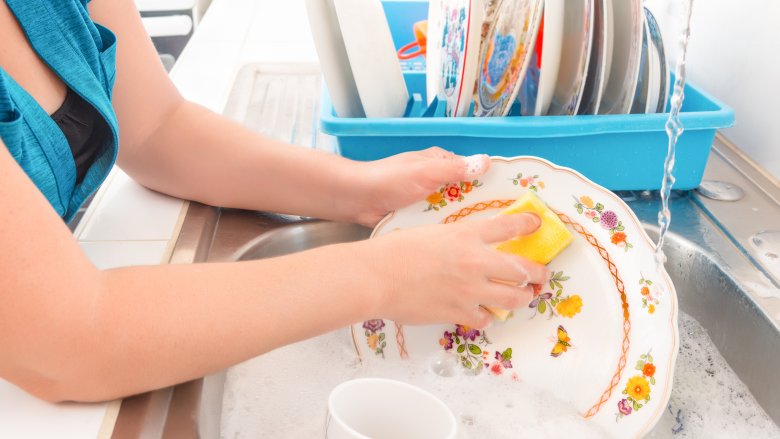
(72, 92)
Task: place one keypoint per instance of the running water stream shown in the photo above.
(674, 129)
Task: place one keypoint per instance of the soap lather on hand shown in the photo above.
(542, 246)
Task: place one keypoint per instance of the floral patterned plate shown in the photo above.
(601, 335)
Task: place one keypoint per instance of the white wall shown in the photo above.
(734, 54)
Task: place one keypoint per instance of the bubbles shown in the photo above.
(284, 394)
(476, 165)
(445, 364)
(708, 398)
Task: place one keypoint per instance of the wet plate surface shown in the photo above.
(601, 336)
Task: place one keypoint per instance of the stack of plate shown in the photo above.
(358, 58)
(545, 57)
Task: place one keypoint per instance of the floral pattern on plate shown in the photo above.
(651, 294)
(532, 182)
(375, 336)
(554, 302)
(451, 192)
(608, 220)
(471, 347)
(637, 391)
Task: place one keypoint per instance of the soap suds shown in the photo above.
(284, 394)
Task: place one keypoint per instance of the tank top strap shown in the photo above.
(10, 119)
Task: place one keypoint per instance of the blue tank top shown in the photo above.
(83, 54)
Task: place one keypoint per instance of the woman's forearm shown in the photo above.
(150, 326)
(69, 331)
(196, 154)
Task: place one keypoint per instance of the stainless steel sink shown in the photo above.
(299, 237)
(742, 332)
(718, 277)
(713, 277)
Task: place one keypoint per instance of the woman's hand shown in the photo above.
(443, 273)
(395, 182)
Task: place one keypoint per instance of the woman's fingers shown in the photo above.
(506, 296)
(515, 270)
(436, 152)
(465, 312)
(503, 227)
(442, 167)
(474, 316)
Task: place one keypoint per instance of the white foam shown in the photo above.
(476, 165)
(708, 399)
(486, 406)
(284, 394)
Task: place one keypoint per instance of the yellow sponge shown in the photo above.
(543, 245)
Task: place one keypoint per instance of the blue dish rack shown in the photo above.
(619, 152)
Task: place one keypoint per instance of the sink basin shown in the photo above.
(300, 237)
(715, 282)
(738, 328)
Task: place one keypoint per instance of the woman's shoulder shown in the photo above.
(60, 25)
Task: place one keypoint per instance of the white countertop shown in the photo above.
(127, 224)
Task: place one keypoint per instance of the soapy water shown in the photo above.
(486, 406)
(674, 130)
(284, 393)
(708, 399)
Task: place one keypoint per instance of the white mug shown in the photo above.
(379, 408)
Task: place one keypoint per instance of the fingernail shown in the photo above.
(476, 165)
(522, 272)
(535, 219)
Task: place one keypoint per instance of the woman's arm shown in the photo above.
(69, 331)
(179, 148)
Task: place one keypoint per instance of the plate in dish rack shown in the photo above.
(601, 335)
(505, 55)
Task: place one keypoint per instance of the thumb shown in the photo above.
(456, 168)
(503, 227)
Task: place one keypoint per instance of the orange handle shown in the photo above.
(403, 53)
(421, 39)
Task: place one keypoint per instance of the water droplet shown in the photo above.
(444, 364)
(767, 244)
